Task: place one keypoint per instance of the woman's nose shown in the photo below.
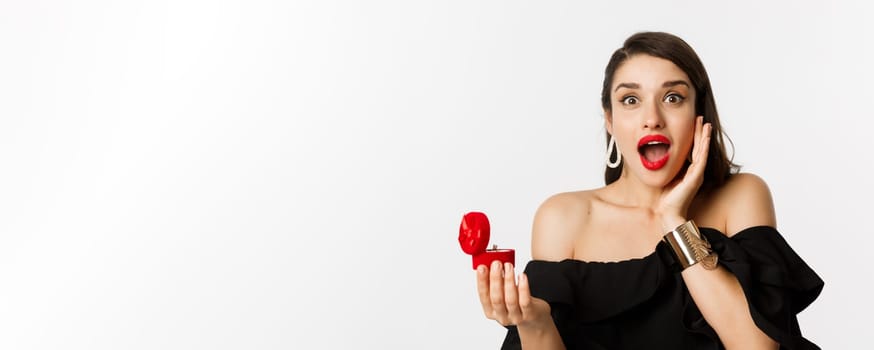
(653, 118)
(653, 123)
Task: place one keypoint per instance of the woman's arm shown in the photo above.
(511, 304)
(717, 292)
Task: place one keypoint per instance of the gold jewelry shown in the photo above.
(690, 247)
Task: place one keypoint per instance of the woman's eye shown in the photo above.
(630, 100)
(673, 98)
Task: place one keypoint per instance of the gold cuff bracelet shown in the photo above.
(690, 247)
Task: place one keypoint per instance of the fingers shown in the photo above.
(524, 294)
(511, 295)
(701, 147)
(482, 287)
(705, 143)
(496, 293)
(699, 121)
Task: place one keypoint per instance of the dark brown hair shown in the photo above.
(672, 48)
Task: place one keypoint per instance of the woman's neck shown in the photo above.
(631, 192)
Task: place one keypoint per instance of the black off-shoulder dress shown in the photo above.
(644, 304)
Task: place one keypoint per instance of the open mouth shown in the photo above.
(653, 151)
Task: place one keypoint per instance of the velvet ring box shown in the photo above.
(473, 235)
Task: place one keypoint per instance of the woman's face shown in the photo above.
(652, 118)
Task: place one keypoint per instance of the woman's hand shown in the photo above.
(510, 304)
(678, 195)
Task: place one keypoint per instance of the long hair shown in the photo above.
(672, 48)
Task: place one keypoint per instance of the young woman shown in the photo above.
(677, 251)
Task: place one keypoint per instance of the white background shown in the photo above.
(277, 175)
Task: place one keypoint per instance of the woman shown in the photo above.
(677, 251)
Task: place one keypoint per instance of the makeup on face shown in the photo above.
(652, 98)
(653, 150)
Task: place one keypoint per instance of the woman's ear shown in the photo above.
(608, 121)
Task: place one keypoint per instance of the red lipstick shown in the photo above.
(653, 151)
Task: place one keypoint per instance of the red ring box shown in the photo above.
(473, 235)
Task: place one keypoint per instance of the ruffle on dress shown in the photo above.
(644, 301)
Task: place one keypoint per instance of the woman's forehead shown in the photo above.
(647, 72)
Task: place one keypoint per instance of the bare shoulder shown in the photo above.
(747, 202)
(556, 222)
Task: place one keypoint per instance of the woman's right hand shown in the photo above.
(508, 303)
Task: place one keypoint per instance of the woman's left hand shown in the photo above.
(678, 195)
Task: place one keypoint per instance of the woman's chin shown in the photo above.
(657, 178)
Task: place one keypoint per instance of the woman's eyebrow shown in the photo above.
(673, 83)
(627, 85)
(666, 84)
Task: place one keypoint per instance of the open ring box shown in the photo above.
(473, 235)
